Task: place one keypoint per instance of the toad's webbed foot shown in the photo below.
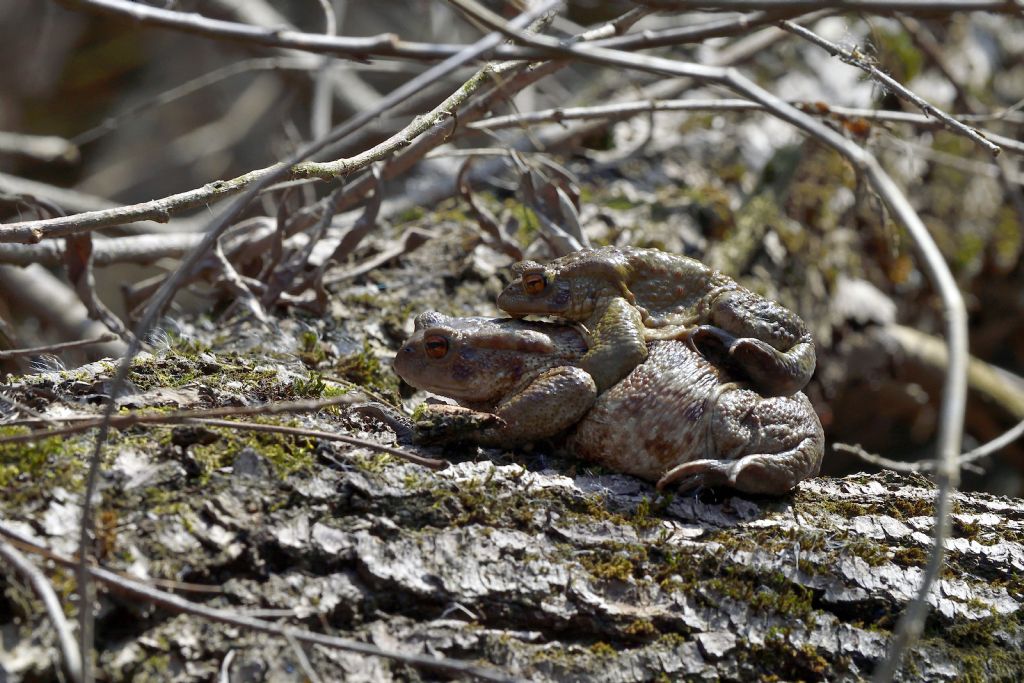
(772, 347)
(433, 424)
(774, 372)
(757, 445)
(772, 473)
(443, 424)
(770, 371)
(399, 423)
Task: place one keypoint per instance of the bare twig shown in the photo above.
(320, 116)
(78, 265)
(413, 239)
(162, 209)
(718, 28)
(326, 436)
(875, 6)
(348, 88)
(20, 407)
(488, 224)
(287, 273)
(170, 286)
(390, 45)
(36, 289)
(891, 84)
(57, 348)
(212, 416)
(41, 147)
(105, 250)
(237, 285)
(955, 390)
(44, 590)
(625, 109)
(385, 44)
(175, 603)
(966, 459)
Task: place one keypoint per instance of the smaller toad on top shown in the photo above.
(627, 296)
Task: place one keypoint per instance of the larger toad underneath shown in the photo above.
(676, 419)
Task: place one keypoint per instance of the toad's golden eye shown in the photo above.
(533, 283)
(436, 346)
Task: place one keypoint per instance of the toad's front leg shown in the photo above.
(616, 344)
(432, 424)
(556, 400)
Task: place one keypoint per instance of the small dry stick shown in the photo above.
(127, 586)
(41, 147)
(879, 6)
(211, 417)
(891, 84)
(326, 436)
(44, 590)
(626, 109)
(57, 348)
(967, 459)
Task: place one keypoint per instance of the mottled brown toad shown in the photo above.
(627, 296)
(675, 419)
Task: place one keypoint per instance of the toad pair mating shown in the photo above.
(678, 375)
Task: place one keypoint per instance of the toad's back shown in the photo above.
(670, 287)
(656, 417)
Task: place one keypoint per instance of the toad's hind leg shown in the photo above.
(755, 444)
(772, 346)
(771, 473)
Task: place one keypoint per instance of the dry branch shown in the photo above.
(169, 288)
(57, 348)
(54, 611)
(892, 85)
(137, 589)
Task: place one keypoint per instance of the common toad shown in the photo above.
(626, 296)
(676, 419)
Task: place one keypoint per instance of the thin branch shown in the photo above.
(47, 148)
(718, 28)
(57, 348)
(170, 287)
(360, 49)
(320, 116)
(44, 590)
(326, 436)
(626, 109)
(211, 416)
(891, 84)
(390, 45)
(348, 87)
(966, 459)
(175, 603)
(954, 400)
(34, 415)
(874, 6)
(162, 209)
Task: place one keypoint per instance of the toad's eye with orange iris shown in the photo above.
(436, 346)
(534, 283)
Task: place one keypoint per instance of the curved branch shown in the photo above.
(44, 590)
(954, 400)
